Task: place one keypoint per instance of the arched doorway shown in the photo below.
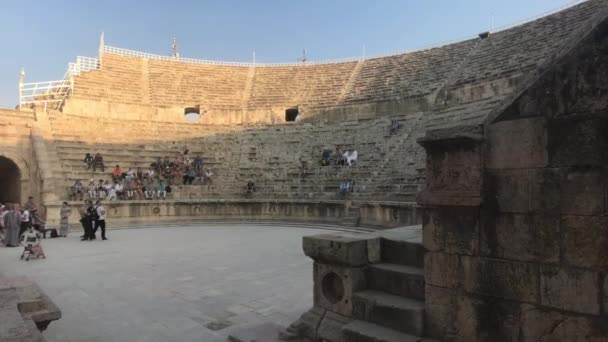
(10, 181)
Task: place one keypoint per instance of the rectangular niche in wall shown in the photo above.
(291, 114)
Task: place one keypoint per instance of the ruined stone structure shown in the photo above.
(503, 138)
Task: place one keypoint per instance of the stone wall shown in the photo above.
(15, 145)
(516, 217)
(349, 213)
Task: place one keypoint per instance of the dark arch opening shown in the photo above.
(10, 181)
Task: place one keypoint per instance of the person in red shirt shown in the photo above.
(117, 173)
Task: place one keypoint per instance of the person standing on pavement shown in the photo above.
(100, 220)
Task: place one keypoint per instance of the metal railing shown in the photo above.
(44, 92)
(34, 93)
(139, 54)
(83, 64)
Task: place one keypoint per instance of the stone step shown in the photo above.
(402, 252)
(399, 313)
(400, 280)
(360, 331)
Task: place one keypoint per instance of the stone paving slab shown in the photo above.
(173, 283)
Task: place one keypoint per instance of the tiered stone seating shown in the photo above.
(305, 85)
(523, 48)
(406, 75)
(76, 136)
(212, 86)
(387, 169)
(121, 80)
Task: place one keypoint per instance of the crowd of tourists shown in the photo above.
(154, 182)
(339, 157)
(21, 224)
(16, 219)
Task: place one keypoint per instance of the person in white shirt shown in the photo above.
(119, 190)
(150, 173)
(25, 221)
(100, 220)
(110, 191)
(350, 157)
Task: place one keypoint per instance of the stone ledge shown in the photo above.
(348, 250)
(25, 310)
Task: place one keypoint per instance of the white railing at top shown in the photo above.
(55, 91)
(44, 92)
(133, 53)
(139, 54)
(83, 64)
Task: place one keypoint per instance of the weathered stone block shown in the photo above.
(517, 144)
(605, 293)
(585, 241)
(582, 192)
(342, 249)
(522, 237)
(454, 165)
(545, 190)
(451, 230)
(442, 269)
(570, 289)
(540, 324)
(440, 312)
(334, 286)
(486, 319)
(573, 142)
(499, 278)
(508, 191)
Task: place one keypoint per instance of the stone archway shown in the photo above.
(10, 181)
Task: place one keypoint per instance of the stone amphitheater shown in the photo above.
(483, 217)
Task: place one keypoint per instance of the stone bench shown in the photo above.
(25, 310)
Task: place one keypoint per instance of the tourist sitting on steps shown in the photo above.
(98, 163)
(344, 188)
(250, 187)
(120, 190)
(350, 157)
(88, 161)
(208, 180)
(189, 175)
(339, 157)
(101, 189)
(77, 191)
(326, 157)
(92, 189)
(150, 190)
(395, 125)
(198, 163)
(161, 190)
(117, 173)
(111, 191)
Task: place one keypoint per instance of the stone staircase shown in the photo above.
(391, 309)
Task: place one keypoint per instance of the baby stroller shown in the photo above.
(30, 240)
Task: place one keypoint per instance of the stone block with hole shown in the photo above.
(334, 286)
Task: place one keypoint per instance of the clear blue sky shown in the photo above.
(43, 36)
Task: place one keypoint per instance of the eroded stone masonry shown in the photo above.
(501, 155)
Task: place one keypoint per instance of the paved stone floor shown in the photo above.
(177, 283)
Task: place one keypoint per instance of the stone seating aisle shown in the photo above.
(406, 75)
